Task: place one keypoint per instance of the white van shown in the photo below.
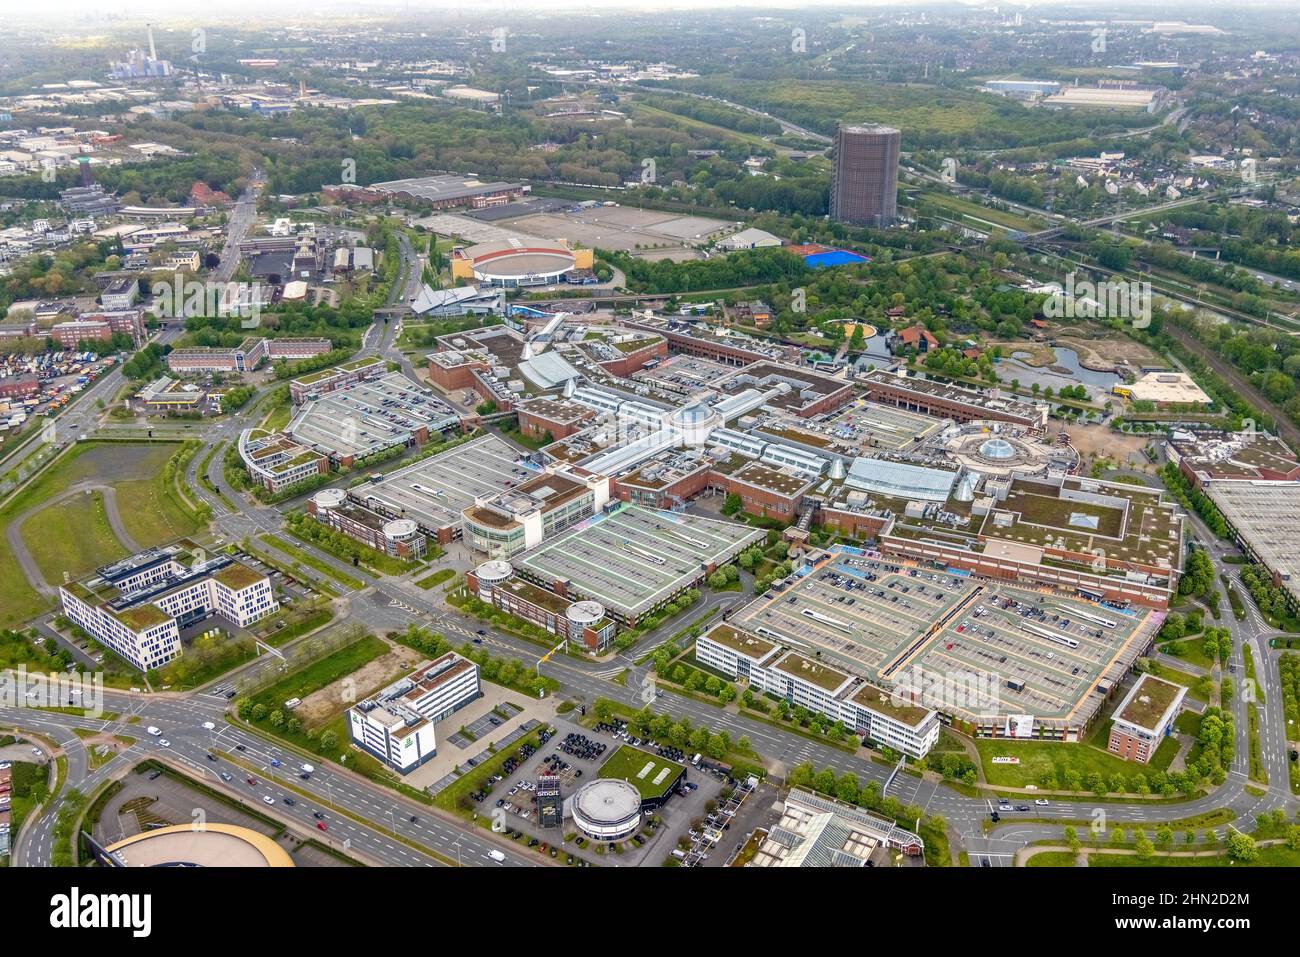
(156, 732)
(497, 856)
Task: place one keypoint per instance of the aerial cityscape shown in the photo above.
(725, 437)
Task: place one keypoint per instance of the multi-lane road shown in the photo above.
(366, 820)
(376, 822)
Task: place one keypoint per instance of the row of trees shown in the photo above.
(1193, 499)
(680, 733)
(1270, 599)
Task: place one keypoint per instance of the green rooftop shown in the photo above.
(141, 617)
(1149, 700)
(741, 641)
(882, 702)
(237, 576)
(806, 669)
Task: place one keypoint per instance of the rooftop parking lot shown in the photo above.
(1035, 651)
(371, 415)
(869, 425)
(634, 559)
(856, 611)
(683, 374)
(434, 491)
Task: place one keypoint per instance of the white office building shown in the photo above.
(865, 709)
(397, 724)
(138, 606)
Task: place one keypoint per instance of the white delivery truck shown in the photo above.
(497, 856)
(156, 732)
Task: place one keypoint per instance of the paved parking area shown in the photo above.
(870, 425)
(676, 817)
(635, 559)
(621, 227)
(1035, 650)
(435, 490)
(368, 416)
(143, 804)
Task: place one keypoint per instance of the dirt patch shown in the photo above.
(321, 706)
(1094, 442)
(1102, 355)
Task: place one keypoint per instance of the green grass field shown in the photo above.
(1194, 684)
(1191, 650)
(961, 208)
(1036, 757)
(642, 769)
(150, 515)
(1274, 856)
(320, 673)
(129, 468)
(437, 578)
(72, 537)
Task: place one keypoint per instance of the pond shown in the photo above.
(1064, 371)
(876, 353)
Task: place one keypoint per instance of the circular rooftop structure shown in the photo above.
(607, 809)
(400, 529)
(997, 449)
(994, 449)
(585, 612)
(215, 845)
(516, 264)
(329, 498)
(493, 572)
(695, 420)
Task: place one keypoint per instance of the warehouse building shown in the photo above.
(447, 190)
(434, 492)
(1165, 389)
(634, 560)
(1264, 520)
(584, 623)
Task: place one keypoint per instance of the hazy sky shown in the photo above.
(88, 12)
